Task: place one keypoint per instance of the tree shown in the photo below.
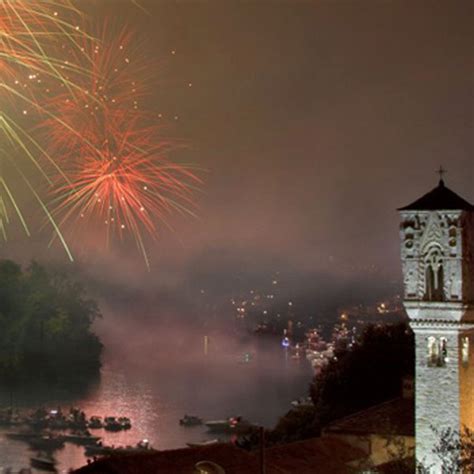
(369, 373)
(455, 449)
(45, 322)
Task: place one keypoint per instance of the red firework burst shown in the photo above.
(114, 154)
(127, 183)
(110, 88)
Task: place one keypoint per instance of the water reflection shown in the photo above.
(155, 386)
(24, 394)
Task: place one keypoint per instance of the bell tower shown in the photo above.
(437, 252)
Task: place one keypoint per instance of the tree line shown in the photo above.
(45, 324)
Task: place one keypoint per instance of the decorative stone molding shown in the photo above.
(437, 249)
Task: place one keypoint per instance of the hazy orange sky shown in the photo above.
(315, 120)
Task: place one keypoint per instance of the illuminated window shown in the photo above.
(465, 350)
(432, 351)
(437, 351)
(443, 351)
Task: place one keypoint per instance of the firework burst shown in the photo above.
(29, 58)
(120, 176)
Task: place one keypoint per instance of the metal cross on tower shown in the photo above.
(441, 172)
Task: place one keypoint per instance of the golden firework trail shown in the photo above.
(32, 35)
(103, 158)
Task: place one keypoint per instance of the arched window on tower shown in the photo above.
(439, 290)
(433, 353)
(430, 283)
(437, 351)
(434, 276)
(443, 351)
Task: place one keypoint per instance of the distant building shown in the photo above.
(437, 252)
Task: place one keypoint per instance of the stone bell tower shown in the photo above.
(437, 252)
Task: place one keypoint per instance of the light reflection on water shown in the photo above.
(156, 392)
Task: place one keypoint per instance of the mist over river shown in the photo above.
(156, 376)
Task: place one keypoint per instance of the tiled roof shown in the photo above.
(316, 455)
(395, 417)
(322, 455)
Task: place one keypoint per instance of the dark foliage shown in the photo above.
(301, 423)
(298, 424)
(45, 325)
(370, 373)
(455, 449)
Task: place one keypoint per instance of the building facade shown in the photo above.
(437, 252)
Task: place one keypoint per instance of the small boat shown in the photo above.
(76, 420)
(190, 420)
(47, 442)
(82, 438)
(44, 462)
(100, 449)
(140, 447)
(56, 420)
(112, 424)
(95, 423)
(206, 442)
(125, 423)
(235, 424)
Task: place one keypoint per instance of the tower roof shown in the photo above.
(439, 198)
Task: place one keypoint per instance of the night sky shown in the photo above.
(312, 122)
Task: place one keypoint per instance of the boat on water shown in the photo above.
(234, 424)
(76, 419)
(47, 442)
(95, 423)
(39, 440)
(111, 423)
(82, 438)
(125, 423)
(55, 420)
(43, 461)
(99, 449)
(190, 420)
(207, 442)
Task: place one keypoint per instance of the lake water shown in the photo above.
(157, 380)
